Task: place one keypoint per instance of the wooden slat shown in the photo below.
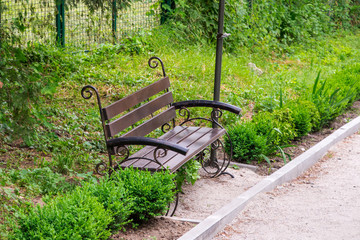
(147, 151)
(137, 114)
(130, 101)
(152, 124)
(194, 133)
(195, 148)
(196, 139)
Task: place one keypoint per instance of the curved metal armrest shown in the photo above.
(147, 141)
(208, 103)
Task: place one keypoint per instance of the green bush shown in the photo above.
(306, 116)
(152, 192)
(77, 215)
(247, 144)
(115, 198)
(278, 127)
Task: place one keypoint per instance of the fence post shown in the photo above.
(60, 22)
(165, 6)
(1, 30)
(1, 33)
(114, 18)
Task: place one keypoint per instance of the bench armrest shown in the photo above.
(208, 103)
(147, 141)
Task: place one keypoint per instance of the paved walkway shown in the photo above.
(323, 203)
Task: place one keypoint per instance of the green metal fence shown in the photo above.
(76, 26)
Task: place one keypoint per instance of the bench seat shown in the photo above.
(195, 139)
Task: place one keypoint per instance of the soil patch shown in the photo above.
(155, 229)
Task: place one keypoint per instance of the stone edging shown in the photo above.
(216, 222)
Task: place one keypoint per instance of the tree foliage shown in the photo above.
(272, 23)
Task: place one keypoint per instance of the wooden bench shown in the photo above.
(139, 114)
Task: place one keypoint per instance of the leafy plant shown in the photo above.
(306, 116)
(278, 127)
(263, 25)
(330, 102)
(64, 162)
(247, 144)
(77, 215)
(101, 4)
(188, 172)
(151, 192)
(40, 181)
(115, 198)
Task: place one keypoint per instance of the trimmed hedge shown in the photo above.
(77, 215)
(94, 211)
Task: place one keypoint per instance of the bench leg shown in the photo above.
(173, 206)
(212, 165)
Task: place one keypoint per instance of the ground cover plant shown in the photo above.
(51, 138)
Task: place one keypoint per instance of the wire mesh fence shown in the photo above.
(28, 20)
(77, 26)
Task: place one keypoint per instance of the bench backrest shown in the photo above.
(138, 113)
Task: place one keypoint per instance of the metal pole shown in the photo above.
(1, 30)
(218, 64)
(114, 18)
(219, 51)
(60, 23)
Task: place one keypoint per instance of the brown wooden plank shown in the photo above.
(198, 140)
(148, 151)
(137, 114)
(130, 101)
(152, 124)
(196, 147)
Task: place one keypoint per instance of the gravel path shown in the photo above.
(323, 203)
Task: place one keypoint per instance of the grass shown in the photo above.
(71, 141)
(74, 123)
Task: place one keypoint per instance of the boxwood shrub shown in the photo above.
(247, 144)
(77, 216)
(306, 116)
(95, 210)
(115, 198)
(151, 192)
(278, 126)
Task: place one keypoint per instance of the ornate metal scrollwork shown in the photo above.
(154, 63)
(186, 117)
(184, 113)
(165, 127)
(87, 93)
(101, 168)
(123, 155)
(216, 114)
(159, 153)
(214, 167)
(123, 152)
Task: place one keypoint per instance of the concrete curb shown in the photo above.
(216, 222)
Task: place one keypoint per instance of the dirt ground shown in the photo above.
(210, 194)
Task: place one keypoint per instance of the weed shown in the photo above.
(188, 172)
